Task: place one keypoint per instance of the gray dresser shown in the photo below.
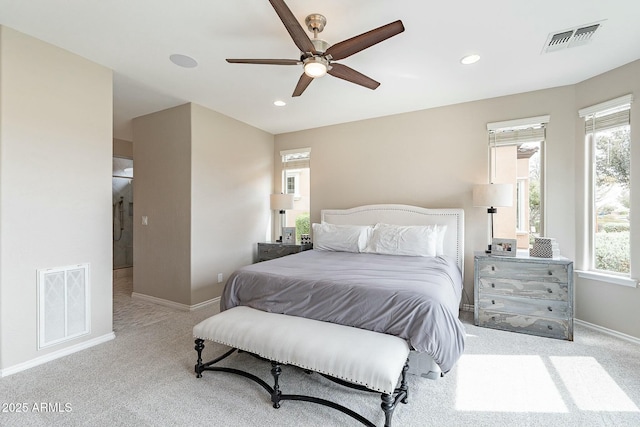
(524, 294)
(273, 250)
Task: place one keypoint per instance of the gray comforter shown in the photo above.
(415, 298)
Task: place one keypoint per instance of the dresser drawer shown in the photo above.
(539, 271)
(531, 288)
(525, 306)
(533, 325)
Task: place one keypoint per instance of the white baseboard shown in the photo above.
(607, 331)
(56, 355)
(173, 304)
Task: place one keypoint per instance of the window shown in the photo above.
(516, 153)
(296, 173)
(608, 143)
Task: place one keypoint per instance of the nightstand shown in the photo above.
(273, 250)
(524, 294)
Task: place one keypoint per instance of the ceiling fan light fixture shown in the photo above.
(315, 66)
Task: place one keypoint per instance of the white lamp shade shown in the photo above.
(281, 202)
(493, 195)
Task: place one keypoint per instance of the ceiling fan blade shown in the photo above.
(292, 25)
(265, 61)
(302, 84)
(356, 44)
(349, 74)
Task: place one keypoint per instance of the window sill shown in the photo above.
(608, 278)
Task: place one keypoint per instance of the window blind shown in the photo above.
(520, 131)
(518, 136)
(296, 159)
(607, 115)
(597, 122)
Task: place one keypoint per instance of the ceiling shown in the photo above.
(418, 69)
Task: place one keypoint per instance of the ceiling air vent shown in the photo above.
(571, 37)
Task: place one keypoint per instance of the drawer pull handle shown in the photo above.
(549, 290)
(550, 327)
(550, 273)
(493, 285)
(549, 308)
(493, 301)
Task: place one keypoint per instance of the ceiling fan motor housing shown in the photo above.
(320, 45)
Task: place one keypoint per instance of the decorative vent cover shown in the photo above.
(571, 37)
(63, 304)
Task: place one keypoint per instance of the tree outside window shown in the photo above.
(612, 161)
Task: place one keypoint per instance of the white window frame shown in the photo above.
(587, 114)
(521, 206)
(510, 132)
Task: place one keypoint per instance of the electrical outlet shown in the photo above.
(145, 220)
(220, 277)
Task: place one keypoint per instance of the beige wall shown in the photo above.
(433, 157)
(55, 185)
(203, 180)
(611, 306)
(162, 193)
(231, 173)
(122, 148)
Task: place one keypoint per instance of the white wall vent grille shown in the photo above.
(572, 37)
(63, 304)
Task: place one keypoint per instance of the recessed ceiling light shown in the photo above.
(279, 103)
(470, 59)
(183, 60)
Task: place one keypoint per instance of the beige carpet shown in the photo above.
(145, 378)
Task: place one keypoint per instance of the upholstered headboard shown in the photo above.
(406, 215)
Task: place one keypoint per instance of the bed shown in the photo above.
(398, 291)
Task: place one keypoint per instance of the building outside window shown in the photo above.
(293, 181)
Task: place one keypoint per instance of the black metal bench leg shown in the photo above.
(199, 347)
(388, 405)
(403, 383)
(276, 394)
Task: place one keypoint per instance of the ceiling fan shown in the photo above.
(317, 56)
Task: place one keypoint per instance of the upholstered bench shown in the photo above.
(354, 357)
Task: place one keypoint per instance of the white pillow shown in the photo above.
(411, 240)
(441, 230)
(342, 238)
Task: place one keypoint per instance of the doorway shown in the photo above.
(122, 216)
